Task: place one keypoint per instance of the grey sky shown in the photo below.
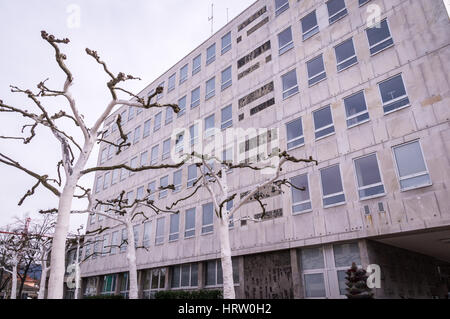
(139, 37)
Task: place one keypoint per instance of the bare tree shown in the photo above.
(129, 212)
(214, 178)
(74, 154)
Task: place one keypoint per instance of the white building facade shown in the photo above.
(362, 87)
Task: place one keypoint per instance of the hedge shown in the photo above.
(191, 294)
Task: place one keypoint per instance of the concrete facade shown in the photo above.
(420, 53)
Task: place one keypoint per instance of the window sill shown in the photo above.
(415, 187)
(325, 136)
(372, 197)
(338, 19)
(399, 109)
(335, 205)
(384, 49)
(296, 147)
(347, 67)
(289, 96)
(301, 213)
(315, 83)
(358, 124)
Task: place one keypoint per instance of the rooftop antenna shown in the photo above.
(211, 18)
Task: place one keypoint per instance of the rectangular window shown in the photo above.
(356, 109)
(336, 10)
(208, 218)
(177, 180)
(309, 25)
(179, 142)
(379, 37)
(151, 190)
(285, 41)
(393, 94)
(166, 149)
(182, 106)
(160, 95)
(133, 164)
(174, 227)
(104, 156)
(123, 117)
(114, 242)
(146, 128)
(159, 238)
(301, 201)
(189, 224)
(128, 140)
(227, 117)
(411, 167)
(362, 2)
(123, 173)
(157, 125)
(169, 115)
(294, 132)
(323, 122)
(109, 285)
(192, 175)
(140, 193)
(344, 256)
(147, 233)
(281, 6)
(368, 177)
(130, 197)
(211, 54)
(316, 70)
(210, 88)
(130, 113)
(193, 133)
(184, 276)
(195, 97)
(124, 241)
(107, 180)
(196, 64)
(105, 245)
(139, 110)
(226, 78)
(98, 185)
(345, 55)
(144, 157)
(163, 183)
(154, 155)
(332, 189)
(110, 151)
(115, 176)
(137, 134)
(209, 126)
(290, 85)
(213, 272)
(226, 42)
(184, 73)
(171, 84)
(136, 235)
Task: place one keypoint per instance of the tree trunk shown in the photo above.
(41, 293)
(23, 277)
(14, 282)
(131, 258)
(57, 271)
(227, 266)
(77, 269)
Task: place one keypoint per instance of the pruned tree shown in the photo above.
(129, 212)
(214, 179)
(74, 154)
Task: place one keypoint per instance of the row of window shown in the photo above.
(411, 170)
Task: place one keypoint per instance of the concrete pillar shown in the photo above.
(240, 290)
(297, 283)
(363, 253)
(98, 288)
(201, 275)
(167, 279)
(140, 276)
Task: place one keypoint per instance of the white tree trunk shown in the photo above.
(41, 294)
(227, 266)
(131, 258)
(14, 281)
(56, 280)
(77, 269)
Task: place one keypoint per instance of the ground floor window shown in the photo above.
(109, 285)
(323, 269)
(124, 285)
(154, 281)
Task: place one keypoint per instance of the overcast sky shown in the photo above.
(139, 37)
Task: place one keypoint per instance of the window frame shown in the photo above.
(169, 87)
(229, 82)
(318, 76)
(397, 171)
(281, 9)
(174, 236)
(302, 202)
(293, 89)
(351, 117)
(398, 99)
(212, 58)
(226, 48)
(159, 239)
(334, 194)
(207, 228)
(197, 69)
(360, 188)
(354, 56)
(189, 230)
(311, 31)
(331, 17)
(229, 122)
(324, 127)
(380, 42)
(195, 103)
(298, 138)
(287, 46)
(184, 79)
(211, 93)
